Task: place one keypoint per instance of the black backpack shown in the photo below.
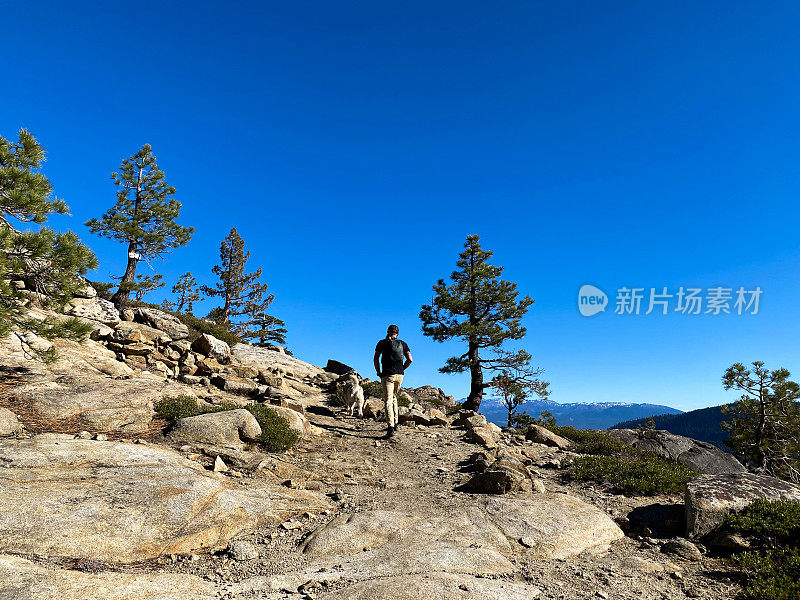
(395, 353)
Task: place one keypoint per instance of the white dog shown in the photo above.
(354, 395)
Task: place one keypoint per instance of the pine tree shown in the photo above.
(482, 310)
(515, 384)
(146, 284)
(243, 296)
(46, 262)
(764, 425)
(186, 291)
(143, 217)
(265, 329)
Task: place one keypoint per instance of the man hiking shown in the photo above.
(392, 358)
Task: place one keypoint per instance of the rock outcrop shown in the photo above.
(553, 525)
(430, 394)
(124, 405)
(22, 579)
(124, 502)
(699, 456)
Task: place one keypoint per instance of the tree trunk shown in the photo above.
(761, 457)
(122, 295)
(473, 401)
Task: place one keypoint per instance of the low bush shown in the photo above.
(642, 475)
(276, 434)
(339, 397)
(588, 441)
(372, 388)
(176, 407)
(772, 566)
(403, 400)
(103, 289)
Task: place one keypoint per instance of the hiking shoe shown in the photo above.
(389, 433)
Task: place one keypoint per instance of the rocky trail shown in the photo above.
(99, 500)
(404, 528)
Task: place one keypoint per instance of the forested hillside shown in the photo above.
(702, 424)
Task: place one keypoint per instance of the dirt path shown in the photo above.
(421, 471)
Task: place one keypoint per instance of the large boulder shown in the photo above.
(334, 366)
(542, 435)
(497, 479)
(95, 309)
(21, 579)
(230, 428)
(553, 525)
(162, 321)
(375, 408)
(210, 346)
(415, 415)
(234, 385)
(9, 423)
(123, 502)
(469, 419)
(484, 436)
(710, 497)
(699, 456)
(297, 420)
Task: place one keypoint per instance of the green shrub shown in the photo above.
(276, 434)
(588, 441)
(768, 523)
(197, 327)
(403, 400)
(372, 388)
(103, 289)
(772, 567)
(177, 407)
(339, 396)
(644, 475)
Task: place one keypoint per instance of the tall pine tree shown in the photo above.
(481, 309)
(46, 262)
(143, 218)
(243, 296)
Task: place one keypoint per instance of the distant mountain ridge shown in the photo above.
(593, 415)
(702, 424)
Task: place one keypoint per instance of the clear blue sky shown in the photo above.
(355, 144)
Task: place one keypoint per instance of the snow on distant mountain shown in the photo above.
(589, 415)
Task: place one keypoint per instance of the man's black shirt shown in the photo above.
(393, 354)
